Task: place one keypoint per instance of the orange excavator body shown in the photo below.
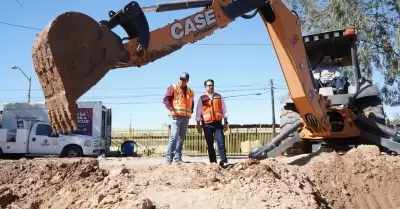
(74, 52)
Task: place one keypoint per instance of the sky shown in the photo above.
(239, 58)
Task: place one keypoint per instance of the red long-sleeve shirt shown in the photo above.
(170, 95)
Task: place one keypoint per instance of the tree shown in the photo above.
(396, 120)
(377, 23)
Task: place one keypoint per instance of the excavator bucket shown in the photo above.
(73, 52)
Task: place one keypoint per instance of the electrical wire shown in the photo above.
(20, 26)
(204, 44)
(141, 100)
(277, 85)
(198, 87)
(19, 3)
(146, 98)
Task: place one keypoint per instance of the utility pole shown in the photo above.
(273, 107)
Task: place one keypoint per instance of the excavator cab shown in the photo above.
(359, 96)
(338, 46)
(341, 47)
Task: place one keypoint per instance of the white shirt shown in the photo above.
(326, 73)
(199, 110)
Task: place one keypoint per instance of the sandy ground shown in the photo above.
(362, 178)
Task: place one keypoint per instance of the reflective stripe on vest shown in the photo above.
(212, 109)
(182, 105)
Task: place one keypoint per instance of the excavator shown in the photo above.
(73, 52)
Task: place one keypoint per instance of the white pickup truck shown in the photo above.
(34, 138)
(94, 119)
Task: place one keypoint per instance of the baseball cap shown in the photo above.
(184, 75)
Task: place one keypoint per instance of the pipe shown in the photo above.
(257, 151)
(376, 127)
(384, 142)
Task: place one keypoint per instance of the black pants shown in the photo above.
(211, 130)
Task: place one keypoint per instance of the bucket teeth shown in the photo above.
(62, 114)
(70, 56)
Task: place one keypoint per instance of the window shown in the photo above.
(43, 130)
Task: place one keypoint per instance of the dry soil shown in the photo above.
(361, 178)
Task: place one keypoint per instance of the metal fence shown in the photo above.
(239, 139)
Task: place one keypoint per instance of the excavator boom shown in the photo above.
(74, 51)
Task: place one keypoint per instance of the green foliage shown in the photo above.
(396, 120)
(377, 23)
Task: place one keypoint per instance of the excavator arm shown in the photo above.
(74, 51)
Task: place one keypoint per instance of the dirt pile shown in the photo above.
(354, 180)
(44, 183)
(362, 178)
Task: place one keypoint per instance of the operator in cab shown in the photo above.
(328, 75)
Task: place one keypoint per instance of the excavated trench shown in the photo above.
(362, 178)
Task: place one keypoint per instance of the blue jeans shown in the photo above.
(178, 132)
(337, 83)
(211, 130)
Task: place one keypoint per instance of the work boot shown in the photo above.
(223, 164)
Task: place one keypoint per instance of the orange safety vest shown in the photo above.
(212, 109)
(182, 105)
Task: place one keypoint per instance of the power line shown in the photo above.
(20, 26)
(19, 3)
(204, 44)
(257, 94)
(152, 88)
(150, 99)
(143, 96)
(227, 98)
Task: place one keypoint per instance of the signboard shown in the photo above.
(85, 121)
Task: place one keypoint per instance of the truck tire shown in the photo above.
(72, 151)
(288, 117)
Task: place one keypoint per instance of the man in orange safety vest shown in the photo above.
(210, 112)
(179, 102)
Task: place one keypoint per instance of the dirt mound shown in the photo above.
(242, 186)
(362, 178)
(33, 184)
